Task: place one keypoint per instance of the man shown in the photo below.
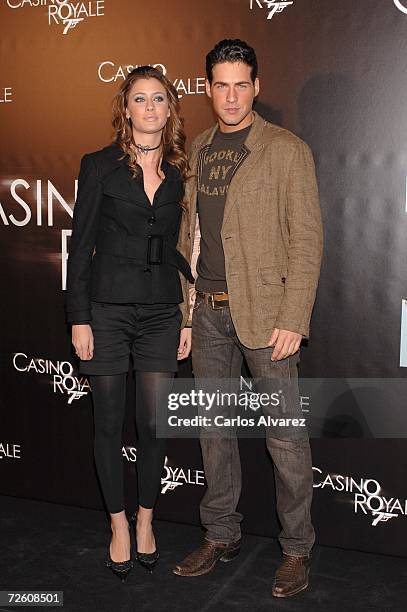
(258, 268)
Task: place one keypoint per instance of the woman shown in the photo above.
(124, 290)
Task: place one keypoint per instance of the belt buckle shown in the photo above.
(213, 303)
(155, 249)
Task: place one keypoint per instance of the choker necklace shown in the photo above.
(145, 148)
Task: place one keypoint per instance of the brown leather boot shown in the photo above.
(203, 559)
(292, 575)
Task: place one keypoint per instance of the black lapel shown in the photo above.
(117, 179)
(172, 189)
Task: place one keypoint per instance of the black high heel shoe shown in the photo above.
(147, 560)
(121, 569)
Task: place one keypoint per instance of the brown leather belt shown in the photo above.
(216, 299)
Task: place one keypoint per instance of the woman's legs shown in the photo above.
(109, 403)
(152, 390)
(109, 399)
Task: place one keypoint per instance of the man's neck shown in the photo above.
(227, 129)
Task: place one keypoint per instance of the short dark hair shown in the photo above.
(231, 50)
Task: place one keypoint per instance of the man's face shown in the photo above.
(232, 92)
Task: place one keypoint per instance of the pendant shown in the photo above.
(145, 148)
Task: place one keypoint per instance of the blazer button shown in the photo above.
(151, 221)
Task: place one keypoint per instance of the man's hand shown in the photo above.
(82, 339)
(184, 343)
(285, 343)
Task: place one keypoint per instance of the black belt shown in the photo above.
(152, 250)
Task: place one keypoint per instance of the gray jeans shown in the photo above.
(218, 354)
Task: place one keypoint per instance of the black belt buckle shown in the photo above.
(155, 249)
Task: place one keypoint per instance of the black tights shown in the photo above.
(109, 403)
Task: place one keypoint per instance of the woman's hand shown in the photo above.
(184, 343)
(82, 339)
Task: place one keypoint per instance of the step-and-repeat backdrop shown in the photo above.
(334, 72)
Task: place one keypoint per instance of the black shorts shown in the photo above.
(148, 332)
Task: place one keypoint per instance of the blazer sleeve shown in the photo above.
(305, 243)
(85, 226)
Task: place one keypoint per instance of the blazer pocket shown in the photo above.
(270, 290)
(271, 276)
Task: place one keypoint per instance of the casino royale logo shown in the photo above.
(26, 203)
(9, 450)
(173, 476)
(401, 5)
(272, 6)
(62, 12)
(129, 453)
(62, 375)
(38, 190)
(176, 476)
(367, 498)
(6, 95)
(109, 72)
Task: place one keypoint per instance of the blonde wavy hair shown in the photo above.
(173, 136)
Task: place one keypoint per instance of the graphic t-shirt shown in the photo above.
(218, 163)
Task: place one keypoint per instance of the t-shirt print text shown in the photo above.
(219, 175)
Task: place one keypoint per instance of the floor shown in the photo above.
(53, 547)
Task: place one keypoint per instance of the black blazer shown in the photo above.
(123, 249)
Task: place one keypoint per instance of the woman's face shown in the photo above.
(147, 106)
